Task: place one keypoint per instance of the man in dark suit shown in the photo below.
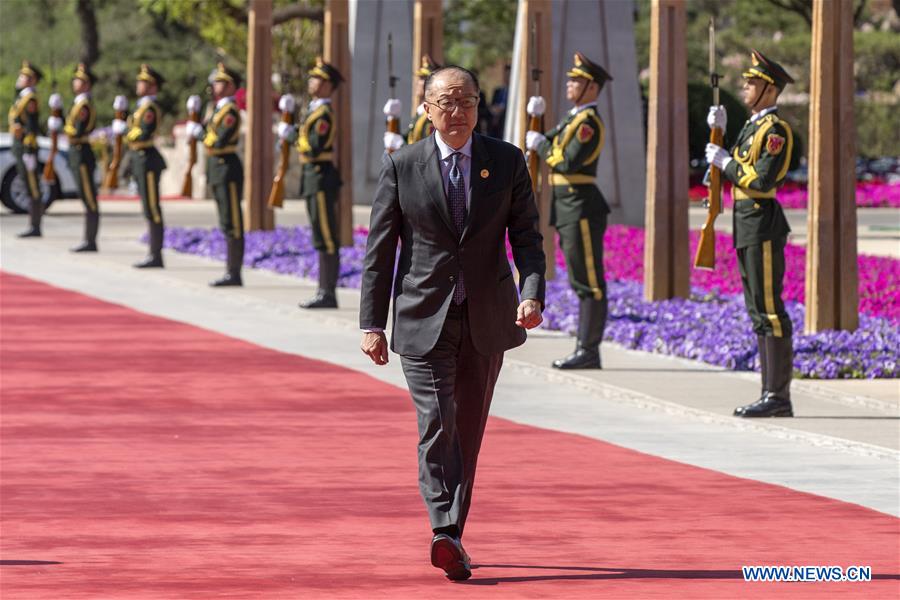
(451, 200)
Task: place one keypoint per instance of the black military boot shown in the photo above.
(154, 257)
(235, 260)
(329, 267)
(591, 324)
(91, 224)
(35, 212)
(780, 367)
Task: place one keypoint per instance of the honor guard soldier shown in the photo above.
(420, 127)
(319, 179)
(78, 126)
(146, 162)
(756, 165)
(24, 125)
(579, 211)
(224, 171)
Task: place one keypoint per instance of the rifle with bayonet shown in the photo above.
(535, 122)
(187, 186)
(705, 258)
(276, 196)
(111, 181)
(392, 124)
(55, 112)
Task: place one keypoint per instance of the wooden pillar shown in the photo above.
(336, 52)
(539, 13)
(666, 259)
(832, 279)
(428, 37)
(259, 144)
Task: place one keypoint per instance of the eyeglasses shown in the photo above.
(450, 104)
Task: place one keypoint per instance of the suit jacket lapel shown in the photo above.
(481, 163)
(430, 170)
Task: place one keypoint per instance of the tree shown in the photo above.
(90, 38)
(804, 9)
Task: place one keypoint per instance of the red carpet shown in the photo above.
(145, 458)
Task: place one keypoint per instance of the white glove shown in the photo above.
(717, 156)
(393, 141)
(286, 103)
(536, 106)
(286, 132)
(533, 139)
(420, 109)
(194, 104)
(54, 124)
(55, 101)
(717, 117)
(392, 108)
(30, 161)
(119, 127)
(193, 130)
(120, 103)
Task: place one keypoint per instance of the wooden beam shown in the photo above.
(428, 38)
(259, 144)
(666, 258)
(539, 12)
(832, 278)
(337, 52)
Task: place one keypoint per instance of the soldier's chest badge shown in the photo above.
(149, 116)
(585, 132)
(229, 120)
(774, 144)
(322, 127)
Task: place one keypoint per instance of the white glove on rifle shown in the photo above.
(119, 127)
(392, 108)
(533, 139)
(393, 141)
(717, 156)
(194, 104)
(54, 124)
(287, 132)
(193, 130)
(717, 117)
(536, 106)
(120, 103)
(55, 101)
(30, 161)
(286, 103)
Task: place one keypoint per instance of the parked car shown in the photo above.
(14, 194)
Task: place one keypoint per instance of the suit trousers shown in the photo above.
(451, 388)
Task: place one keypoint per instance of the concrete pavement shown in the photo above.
(843, 443)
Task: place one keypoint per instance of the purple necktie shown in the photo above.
(456, 195)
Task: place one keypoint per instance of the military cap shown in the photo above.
(323, 70)
(147, 73)
(428, 67)
(83, 72)
(582, 67)
(223, 73)
(768, 70)
(31, 71)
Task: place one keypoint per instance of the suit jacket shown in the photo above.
(411, 207)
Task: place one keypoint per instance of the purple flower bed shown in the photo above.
(711, 326)
(874, 194)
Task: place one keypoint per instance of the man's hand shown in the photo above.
(533, 139)
(528, 314)
(536, 106)
(393, 108)
(717, 117)
(393, 141)
(374, 344)
(718, 156)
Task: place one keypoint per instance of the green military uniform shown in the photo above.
(24, 125)
(225, 174)
(319, 186)
(421, 126)
(759, 163)
(579, 213)
(80, 123)
(147, 163)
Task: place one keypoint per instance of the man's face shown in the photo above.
(318, 87)
(144, 88)
(456, 124)
(23, 81)
(80, 86)
(752, 89)
(580, 89)
(222, 89)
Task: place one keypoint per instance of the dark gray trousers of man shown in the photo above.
(451, 352)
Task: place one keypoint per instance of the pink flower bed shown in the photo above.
(795, 195)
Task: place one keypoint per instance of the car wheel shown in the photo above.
(14, 194)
